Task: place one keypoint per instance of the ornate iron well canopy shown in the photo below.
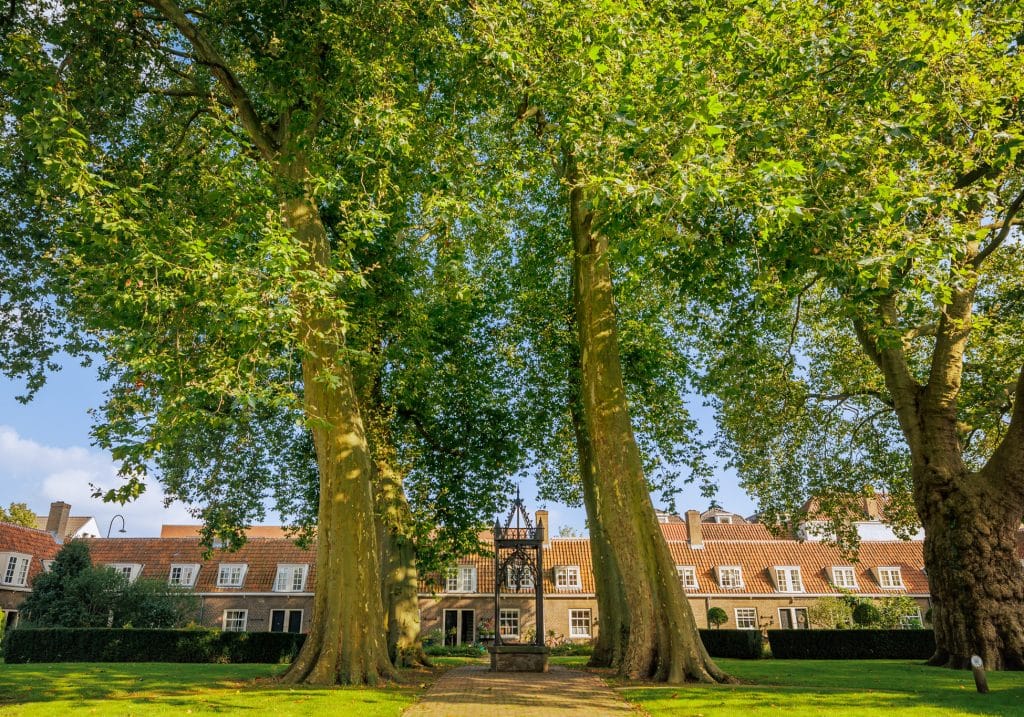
(519, 565)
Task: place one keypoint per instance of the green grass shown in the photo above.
(185, 689)
(867, 688)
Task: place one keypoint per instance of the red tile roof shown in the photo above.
(37, 543)
(262, 555)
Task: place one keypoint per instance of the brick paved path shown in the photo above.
(475, 691)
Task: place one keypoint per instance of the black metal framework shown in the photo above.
(518, 555)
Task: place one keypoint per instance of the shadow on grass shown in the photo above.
(216, 687)
(805, 687)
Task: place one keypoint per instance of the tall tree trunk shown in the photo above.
(976, 580)
(662, 641)
(971, 519)
(613, 613)
(346, 642)
(400, 584)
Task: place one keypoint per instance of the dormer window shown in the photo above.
(15, 569)
(788, 579)
(567, 577)
(130, 571)
(844, 577)
(231, 575)
(730, 576)
(290, 578)
(183, 574)
(461, 579)
(723, 519)
(525, 581)
(890, 578)
(688, 576)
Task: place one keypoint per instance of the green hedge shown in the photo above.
(745, 644)
(852, 644)
(63, 644)
(467, 650)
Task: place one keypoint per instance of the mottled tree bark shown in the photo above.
(662, 642)
(612, 610)
(970, 519)
(346, 641)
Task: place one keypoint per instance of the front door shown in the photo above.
(459, 627)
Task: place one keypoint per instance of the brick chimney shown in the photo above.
(693, 527)
(542, 525)
(57, 520)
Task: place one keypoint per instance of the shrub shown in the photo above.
(571, 648)
(473, 650)
(830, 613)
(866, 615)
(745, 644)
(851, 644)
(61, 644)
(717, 617)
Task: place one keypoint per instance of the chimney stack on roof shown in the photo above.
(693, 529)
(57, 520)
(542, 525)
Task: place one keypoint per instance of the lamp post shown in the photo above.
(109, 527)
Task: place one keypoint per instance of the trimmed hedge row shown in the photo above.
(852, 644)
(65, 644)
(745, 644)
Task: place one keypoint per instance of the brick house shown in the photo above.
(761, 581)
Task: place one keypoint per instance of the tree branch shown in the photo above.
(847, 395)
(1006, 465)
(207, 54)
(1004, 231)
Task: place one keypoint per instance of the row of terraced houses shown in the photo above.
(722, 559)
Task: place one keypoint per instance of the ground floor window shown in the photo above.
(286, 620)
(793, 618)
(508, 624)
(235, 620)
(912, 620)
(459, 627)
(579, 623)
(746, 618)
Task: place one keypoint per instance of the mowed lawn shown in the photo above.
(151, 688)
(797, 688)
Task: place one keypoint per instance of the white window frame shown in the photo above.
(567, 577)
(688, 576)
(916, 617)
(889, 571)
(722, 571)
(510, 582)
(239, 623)
(788, 579)
(130, 571)
(47, 564)
(241, 569)
(838, 570)
(746, 618)
(508, 623)
(15, 569)
(187, 574)
(290, 577)
(578, 617)
(287, 618)
(461, 579)
(723, 519)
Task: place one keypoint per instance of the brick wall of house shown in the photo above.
(212, 607)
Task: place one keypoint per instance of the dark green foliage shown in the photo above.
(866, 614)
(717, 617)
(456, 650)
(744, 644)
(852, 644)
(128, 645)
(76, 594)
(572, 648)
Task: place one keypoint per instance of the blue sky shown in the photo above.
(46, 454)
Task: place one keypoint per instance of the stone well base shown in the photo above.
(519, 658)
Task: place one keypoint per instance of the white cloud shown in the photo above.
(37, 474)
